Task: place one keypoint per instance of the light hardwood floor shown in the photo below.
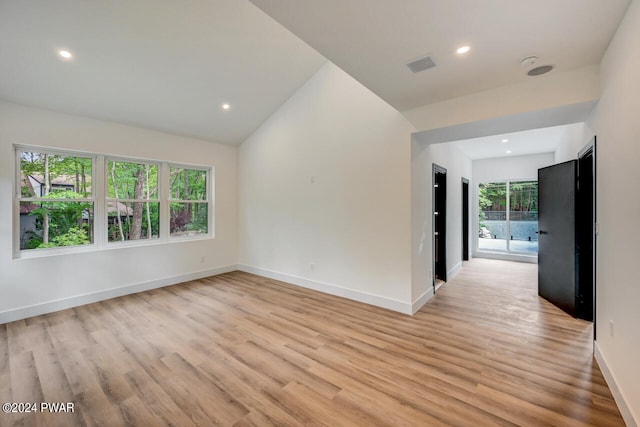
(238, 349)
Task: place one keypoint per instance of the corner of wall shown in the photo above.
(618, 396)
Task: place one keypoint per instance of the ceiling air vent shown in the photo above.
(421, 64)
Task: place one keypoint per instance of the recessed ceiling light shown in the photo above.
(508, 151)
(462, 50)
(226, 106)
(504, 141)
(65, 54)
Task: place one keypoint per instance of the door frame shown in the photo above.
(590, 149)
(465, 219)
(442, 232)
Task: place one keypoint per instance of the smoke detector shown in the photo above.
(529, 62)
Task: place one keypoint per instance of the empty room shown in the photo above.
(260, 212)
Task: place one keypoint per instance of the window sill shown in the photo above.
(70, 250)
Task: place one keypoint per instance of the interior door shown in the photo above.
(439, 223)
(557, 235)
(585, 235)
(465, 219)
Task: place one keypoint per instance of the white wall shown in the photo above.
(458, 165)
(516, 168)
(574, 138)
(37, 285)
(539, 93)
(520, 168)
(615, 121)
(325, 181)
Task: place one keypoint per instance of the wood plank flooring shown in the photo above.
(241, 350)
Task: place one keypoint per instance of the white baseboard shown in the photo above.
(421, 300)
(456, 268)
(627, 415)
(505, 256)
(327, 288)
(78, 300)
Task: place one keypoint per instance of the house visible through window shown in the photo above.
(56, 202)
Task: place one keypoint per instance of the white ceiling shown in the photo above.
(170, 65)
(373, 40)
(545, 140)
(159, 64)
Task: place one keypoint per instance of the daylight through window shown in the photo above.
(56, 200)
(508, 219)
(189, 202)
(133, 210)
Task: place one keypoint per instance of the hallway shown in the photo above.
(531, 357)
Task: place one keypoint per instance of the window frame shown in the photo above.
(208, 200)
(107, 199)
(100, 199)
(18, 198)
(508, 250)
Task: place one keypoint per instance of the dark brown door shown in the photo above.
(557, 260)
(439, 223)
(585, 232)
(465, 219)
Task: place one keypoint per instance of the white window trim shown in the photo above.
(508, 251)
(208, 200)
(107, 199)
(99, 199)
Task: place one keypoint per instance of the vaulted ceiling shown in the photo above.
(161, 64)
(171, 66)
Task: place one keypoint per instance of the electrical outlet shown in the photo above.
(202, 259)
(312, 267)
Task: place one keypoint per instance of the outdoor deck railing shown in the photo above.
(513, 216)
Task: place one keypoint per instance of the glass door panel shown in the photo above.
(492, 221)
(523, 216)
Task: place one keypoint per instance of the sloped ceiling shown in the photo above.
(170, 65)
(159, 64)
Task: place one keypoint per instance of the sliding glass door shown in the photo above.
(492, 229)
(508, 218)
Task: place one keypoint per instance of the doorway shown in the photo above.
(557, 260)
(465, 219)
(439, 225)
(586, 236)
(566, 267)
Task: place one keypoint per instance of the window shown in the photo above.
(508, 218)
(56, 204)
(492, 198)
(189, 213)
(133, 210)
